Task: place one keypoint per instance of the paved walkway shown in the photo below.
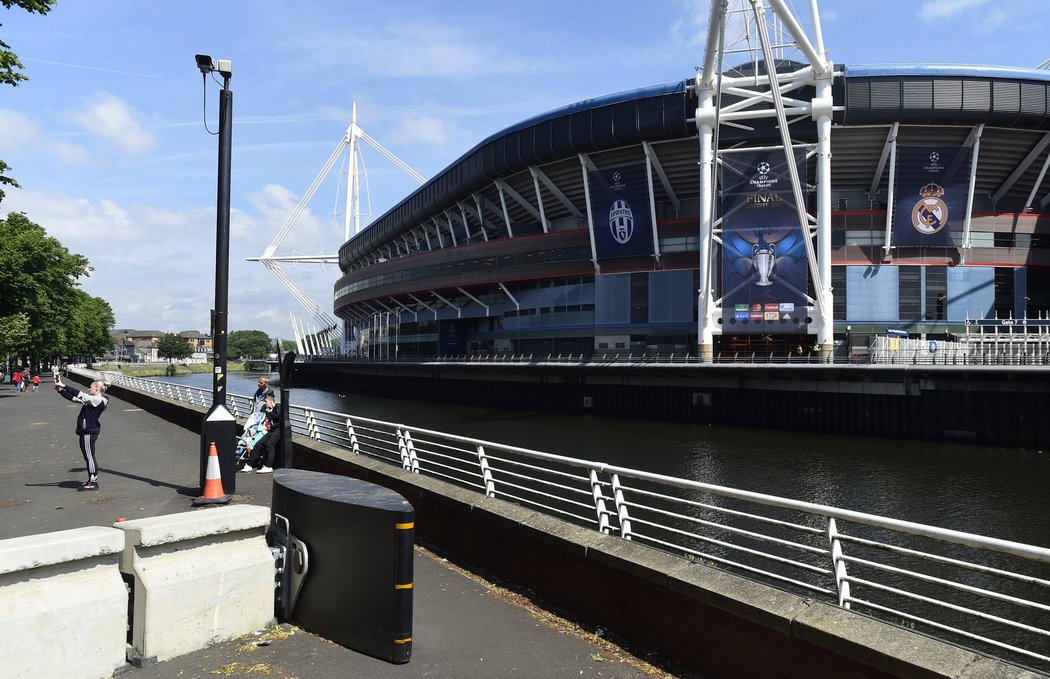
(462, 626)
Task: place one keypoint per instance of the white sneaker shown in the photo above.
(245, 469)
(264, 470)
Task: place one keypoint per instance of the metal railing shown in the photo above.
(944, 358)
(990, 594)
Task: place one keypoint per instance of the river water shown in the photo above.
(996, 492)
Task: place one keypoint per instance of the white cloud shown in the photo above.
(22, 134)
(110, 118)
(425, 129)
(156, 266)
(943, 9)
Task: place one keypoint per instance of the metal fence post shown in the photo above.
(838, 564)
(599, 502)
(622, 515)
(486, 473)
(352, 434)
(409, 461)
(311, 426)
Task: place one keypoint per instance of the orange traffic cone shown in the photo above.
(213, 492)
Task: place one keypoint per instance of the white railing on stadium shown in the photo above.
(969, 589)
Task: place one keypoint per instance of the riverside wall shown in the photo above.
(717, 624)
(988, 405)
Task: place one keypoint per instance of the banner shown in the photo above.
(931, 188)
(623, 225)
(765, 280)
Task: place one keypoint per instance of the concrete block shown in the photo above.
(199, 577)
(65, 606)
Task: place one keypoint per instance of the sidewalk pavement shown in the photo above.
(463, 627)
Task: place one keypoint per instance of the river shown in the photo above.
(990, 491)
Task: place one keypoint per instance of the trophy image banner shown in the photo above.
(764, 258)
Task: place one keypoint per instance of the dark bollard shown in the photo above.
(345, 572)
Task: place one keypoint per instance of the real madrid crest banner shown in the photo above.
(932, 183)
(623, 225)
(765, 281)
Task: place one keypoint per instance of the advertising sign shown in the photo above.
(763, 254)
(931, 187)
(623, 225)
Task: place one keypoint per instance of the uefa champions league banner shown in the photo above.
(623, 226)
(765, 280)
(931, 187)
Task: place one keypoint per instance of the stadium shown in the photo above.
(783, 203)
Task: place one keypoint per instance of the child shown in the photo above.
(36, 382)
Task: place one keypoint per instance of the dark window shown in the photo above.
(838, 290)
(910, 302)
(1004, 292)
(936, 293)
(640, 297)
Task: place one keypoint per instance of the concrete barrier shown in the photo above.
(64, 604)
(198, 577)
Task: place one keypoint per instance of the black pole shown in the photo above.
(220, 424)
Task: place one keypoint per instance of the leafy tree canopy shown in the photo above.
(88, 331)
(10, 68)
(172, 346)
(249, 344)
(9, 63)
(39, 278)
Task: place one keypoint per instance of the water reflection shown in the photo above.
(989, 491)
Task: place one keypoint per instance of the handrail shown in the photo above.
(965, 588)
(878, 356)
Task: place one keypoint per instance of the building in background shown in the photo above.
(579, 231)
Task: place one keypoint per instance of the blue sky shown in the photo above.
(108, 142)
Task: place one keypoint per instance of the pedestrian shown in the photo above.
(36, 382)
(264, 454)
(16, 377)
(88, 424)
(260, 393)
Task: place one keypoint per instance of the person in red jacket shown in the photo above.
(16, 377)
(88, 424)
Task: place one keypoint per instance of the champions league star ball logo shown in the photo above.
(621, 221)
(930, 214)
(763, 168)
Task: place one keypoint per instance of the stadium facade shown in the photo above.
(671, 219)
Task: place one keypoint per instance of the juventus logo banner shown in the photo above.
(932, 183)
(764, 275)
(620, 208)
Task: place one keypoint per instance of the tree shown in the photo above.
(14, 334)
(88, 332)
(39, 277)
(249, 344)
(10, 67)
(173, 346)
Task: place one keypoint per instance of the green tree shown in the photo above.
(10, 68)
(173, 346)
(14, 335)
(39, 277)
(249, 344)
(88, 333)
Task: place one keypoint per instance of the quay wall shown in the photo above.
(989, 405)
(715, 623)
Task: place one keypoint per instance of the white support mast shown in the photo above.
(765, 93)
(331, 328)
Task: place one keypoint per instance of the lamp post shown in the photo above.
(219, 423)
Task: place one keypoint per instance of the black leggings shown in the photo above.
(87, 449)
